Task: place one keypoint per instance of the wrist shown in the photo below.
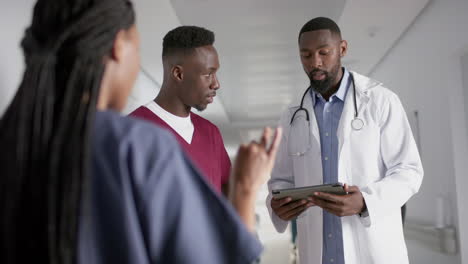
(242, 191)
(243, 199)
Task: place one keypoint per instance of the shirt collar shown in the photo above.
(340, 94)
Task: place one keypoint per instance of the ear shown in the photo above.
(343, 48)
(177, 72)
(118, 49)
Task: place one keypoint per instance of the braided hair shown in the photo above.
(46, 129)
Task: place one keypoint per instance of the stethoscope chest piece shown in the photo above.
(357, 123)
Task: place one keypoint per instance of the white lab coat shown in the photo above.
(381, 159)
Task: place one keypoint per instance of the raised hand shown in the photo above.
(252, 168)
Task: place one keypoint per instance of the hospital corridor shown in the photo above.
(371, 98)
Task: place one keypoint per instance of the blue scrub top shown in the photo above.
(146, 203)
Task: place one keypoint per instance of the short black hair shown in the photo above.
(319, 23)
(185, 39)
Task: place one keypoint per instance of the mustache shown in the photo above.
(314, 71)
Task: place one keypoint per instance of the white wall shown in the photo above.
(424, 68)
(154, 19)
(464, 62)
(458, 106)
(15, 16)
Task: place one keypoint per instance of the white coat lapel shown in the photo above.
(347, 116)
(308, 104)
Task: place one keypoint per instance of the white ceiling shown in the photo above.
(257, 42)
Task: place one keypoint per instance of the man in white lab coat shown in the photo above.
(353, 130)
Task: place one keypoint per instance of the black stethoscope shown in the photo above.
(357, 123)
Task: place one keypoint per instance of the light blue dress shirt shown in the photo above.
(328, 115)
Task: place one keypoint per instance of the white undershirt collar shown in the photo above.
(182, 125)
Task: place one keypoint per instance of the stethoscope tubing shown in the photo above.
(356, 124)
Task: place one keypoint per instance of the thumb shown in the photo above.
(351, 189)
(346, 188)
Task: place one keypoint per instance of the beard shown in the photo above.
(323, 86)
(200, 107)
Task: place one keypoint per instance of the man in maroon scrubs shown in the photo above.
(190, 64)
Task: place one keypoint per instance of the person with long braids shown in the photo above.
(82, 184)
